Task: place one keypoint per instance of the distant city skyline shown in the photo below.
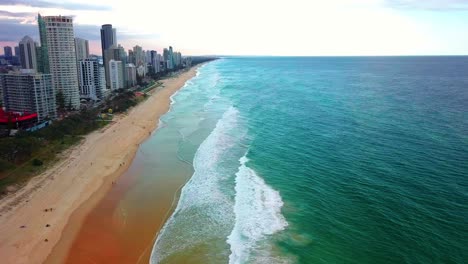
(296, 27)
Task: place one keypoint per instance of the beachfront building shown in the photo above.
(81, 49)
(116, 53)
(27, 51)
(141, 71)
(29, 92)
(115, 73)
(171, 57)
(139, 56)
(155, 61)
(167, 59)
(131, 75)
(131, 57)
(7, 51)
(187, 61)
(42, 53)
(60, 39)
(148, 56)
(92, 79)
(108, 39)
(39, 58)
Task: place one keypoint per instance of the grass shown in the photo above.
(48, 154)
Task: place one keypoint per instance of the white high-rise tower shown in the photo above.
(62, 57)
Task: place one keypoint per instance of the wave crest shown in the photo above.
(258, 213)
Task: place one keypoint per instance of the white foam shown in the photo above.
(257, 211)
(202, 191)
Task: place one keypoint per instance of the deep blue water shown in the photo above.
(324, 160)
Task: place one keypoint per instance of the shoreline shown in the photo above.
(31, 231)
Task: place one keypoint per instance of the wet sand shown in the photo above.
(39, 222)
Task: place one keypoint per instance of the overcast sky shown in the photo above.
(257, 27)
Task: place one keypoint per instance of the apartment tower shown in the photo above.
(27, 51)
(60, 40)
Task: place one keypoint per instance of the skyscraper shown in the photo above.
(39, 60)
(108, 39)
(81, 48)
(171, 57)
(166, 59)
(27, 51)
(116, 78)
(17, 51)
(130, 72)
(147, 56)
(116, 53)
(131, 57)
(7, 51)
(140, 60)
(139, 56)
(43, 65)
(29, 92)
(92, 80)
(155, 62)
(60, 43)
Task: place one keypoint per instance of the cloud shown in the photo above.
(58, 4)
(89, 32)
(433, 5)
(11, 30)
(16, 15)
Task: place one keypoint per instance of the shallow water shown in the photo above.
(322, 160)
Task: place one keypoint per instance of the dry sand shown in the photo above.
(32, 220)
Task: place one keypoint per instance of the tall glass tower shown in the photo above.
(108, 39)
(43, 61)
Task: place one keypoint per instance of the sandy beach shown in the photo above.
(33, 220)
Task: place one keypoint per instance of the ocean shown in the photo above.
(319, 160)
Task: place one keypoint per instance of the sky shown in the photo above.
(257, 27)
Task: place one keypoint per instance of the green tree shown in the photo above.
(37, 162)
(60, 99)
(69, 107)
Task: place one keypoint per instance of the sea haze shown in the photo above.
(322, 160)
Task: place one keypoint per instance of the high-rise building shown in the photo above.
(17, 51)
(7, 51)
(60, 40)
(116, 78)
(43, 62)
(39, 58)
(171, 57)
(92, 80)
(81, 49)
(124, 59)
(148, 56)
(130, 72)
(27, 51)
(139, 55)
(155, 61)
(30, 92)
(187, 61)
(168, 58)
(116, 53)
(140, 60)
(131, 57)
(108, 39)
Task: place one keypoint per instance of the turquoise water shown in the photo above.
(322, 160)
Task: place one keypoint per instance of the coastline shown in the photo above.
(31, 230)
